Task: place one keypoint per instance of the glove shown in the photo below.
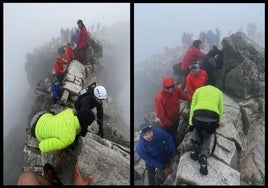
(167, 170)
(176, 158)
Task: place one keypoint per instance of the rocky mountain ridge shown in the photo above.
(239, 156)
(106, 159)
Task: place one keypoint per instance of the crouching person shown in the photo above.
(156, 147)
(57, 132)
(205, 114)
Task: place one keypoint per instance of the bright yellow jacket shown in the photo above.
(56, 132)
(207, 98)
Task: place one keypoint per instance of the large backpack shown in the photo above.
(84, 92)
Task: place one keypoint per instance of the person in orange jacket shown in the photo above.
(195, 79)
(167, 106)
(59, 68)
(192, 55)
(69, 53)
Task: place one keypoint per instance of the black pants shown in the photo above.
(205, 123)
(86, 117)
(172, 130)
(152, 179)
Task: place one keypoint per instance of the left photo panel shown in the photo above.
(67, 76)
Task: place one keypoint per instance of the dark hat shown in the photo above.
(80, 21)
(196, 43)
(145, 128)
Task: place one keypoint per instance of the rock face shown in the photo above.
(238, 157)
(106, 159)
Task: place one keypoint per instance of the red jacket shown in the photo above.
(195, 81)
(59, 66)
(82, 38)
(192, 54)
(69, 54)
(167, 105)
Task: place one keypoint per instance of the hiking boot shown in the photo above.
(194, 155)
(203, 164)
(194, 149)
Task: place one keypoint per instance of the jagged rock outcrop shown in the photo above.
(238, 158)
(106, 159)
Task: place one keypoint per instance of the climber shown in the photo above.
(167, 106)
(82, 45)
(57, 132)
(69, 53)
(32, 178)
(157, 148)
(211, 61)
(56, 90)
(202, 38)
(74, 38)
(192, 55)
(211, 39)
(85, 103)
(195, 79)
(205, 115)
(59, 68)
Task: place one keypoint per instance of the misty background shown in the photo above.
(28, 26)
(160, 26)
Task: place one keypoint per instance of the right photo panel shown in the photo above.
(199, 94)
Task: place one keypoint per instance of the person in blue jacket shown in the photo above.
(56, 89)
(157, 148)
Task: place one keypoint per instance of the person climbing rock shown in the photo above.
(205, 115)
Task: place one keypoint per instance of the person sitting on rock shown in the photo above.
(195, 79)
(59, 68)
(157, 148)
(205, 115)
(192, 55)
(56, 89)
(57, 132)
(85, 103)
(69, 53)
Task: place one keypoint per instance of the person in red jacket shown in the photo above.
(69, 53)
(167, 106)
(192, 55)
(82, 46)
(195, 79)
(59, 68)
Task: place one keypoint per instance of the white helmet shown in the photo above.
(100, 92)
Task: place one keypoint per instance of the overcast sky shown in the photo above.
(28, 26)
(161, 25)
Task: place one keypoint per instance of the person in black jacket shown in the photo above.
(86, 103)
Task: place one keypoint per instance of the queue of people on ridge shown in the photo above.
(157, 145)
(57, 132)
(208, 39)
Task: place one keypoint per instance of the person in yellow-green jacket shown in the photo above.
(56, 132)
(205, 114)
